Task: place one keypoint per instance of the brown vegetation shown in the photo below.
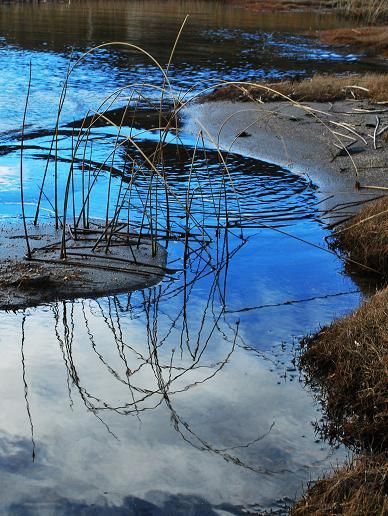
(373, 87)
(371, 11)
(349, 362)
(360, 488)
(365, 236)
(282, 5)
(373, 39)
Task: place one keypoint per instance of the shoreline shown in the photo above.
(364, 27)
(305, 139)
(291, 136)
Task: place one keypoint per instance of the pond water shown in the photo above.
(182, 398)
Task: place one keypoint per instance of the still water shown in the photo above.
(183, 398)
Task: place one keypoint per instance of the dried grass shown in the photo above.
(373, 87)
(374, 39)
(372, 11)
(365, 236)
(282, 5)
(359, 488)
(348, 360)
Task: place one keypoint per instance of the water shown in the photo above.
(184, 398)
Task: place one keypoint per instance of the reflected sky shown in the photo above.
(183, 398)
(219, 42)
(233, 429)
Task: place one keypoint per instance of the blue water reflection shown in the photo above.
(183, 398)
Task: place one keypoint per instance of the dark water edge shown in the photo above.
(184, 398)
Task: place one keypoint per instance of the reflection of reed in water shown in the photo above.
(180, 334)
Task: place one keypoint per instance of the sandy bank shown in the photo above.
(336, 145)
(85, 273)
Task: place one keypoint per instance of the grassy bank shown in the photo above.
(348, 362)
(365, 237)
(360, 488)
(321, 88)
(370, 11)
(373, 40)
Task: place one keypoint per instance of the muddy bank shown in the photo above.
(124, 267)
(341, 146)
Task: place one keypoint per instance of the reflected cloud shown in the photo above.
(157, 388)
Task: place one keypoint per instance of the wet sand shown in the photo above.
(331, 144)
(84, 274)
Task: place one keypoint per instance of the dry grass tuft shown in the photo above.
(374, 39)
(373, 87)
(365, 236)
(283, 5)
(348, 360)
(359, 488)
(371, 11)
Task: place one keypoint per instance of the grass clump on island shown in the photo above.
(360, 488)
(320, 88)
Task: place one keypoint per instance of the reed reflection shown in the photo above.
(174, 353)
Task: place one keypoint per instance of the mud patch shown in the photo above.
(94, 264)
